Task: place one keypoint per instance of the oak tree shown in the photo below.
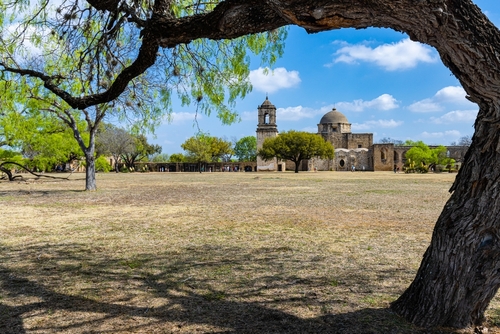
(177, 157)
(220, 149)
(296, 146)
(459, 273)
(115, 141)
(140, 151)
(198, 149)
(246, 149)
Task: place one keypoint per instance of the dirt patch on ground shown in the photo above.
(215, 252)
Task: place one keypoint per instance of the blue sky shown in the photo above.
(381, 81)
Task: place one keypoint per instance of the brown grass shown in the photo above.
(215, 252)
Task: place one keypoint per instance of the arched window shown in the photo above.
(382, 155)
(342, 163)
(266, 119)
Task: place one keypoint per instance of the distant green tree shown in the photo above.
(246, 149)
(177, 157)
(198, 149)
(410, 142)
(160, 157)
(220, 149)
(440, 156)
(296, 146)
(114, 141)
(42, 139)
(102, 164)
(421, 156)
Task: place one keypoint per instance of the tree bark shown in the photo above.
(90, 180)
(459, 274)
(7, 172)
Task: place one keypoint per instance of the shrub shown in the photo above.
(102, 165)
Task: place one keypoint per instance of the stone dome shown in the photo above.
(333, 117)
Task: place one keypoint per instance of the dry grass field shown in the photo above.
(318, 252)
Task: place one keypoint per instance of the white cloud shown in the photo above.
(290, 113)
(445, 134)
(454, 95)
(425, 105)
(381, 123)
(457, 116)
(299, 112)
(274, 80)
(396, 56)
(249, 116)
(294, 113)
(383, 102)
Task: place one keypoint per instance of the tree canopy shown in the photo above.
(204, 148)
(296, 146)
(421, 156)
(246, 149)
(198, 149)
(94, 60)
(140, 151)
(220, 149)
(114, 141)
(177, 157)
(40, 138)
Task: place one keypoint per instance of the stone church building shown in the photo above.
(352, 150)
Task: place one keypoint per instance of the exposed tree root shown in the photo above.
(12, 177)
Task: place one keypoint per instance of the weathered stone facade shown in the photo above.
(352, 150)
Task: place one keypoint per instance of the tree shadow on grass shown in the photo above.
(188, 304)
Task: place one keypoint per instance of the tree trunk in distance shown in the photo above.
(297, 163)
(90, 180)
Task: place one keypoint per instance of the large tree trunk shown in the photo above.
(459, 274)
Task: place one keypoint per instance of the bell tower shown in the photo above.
(266, 128)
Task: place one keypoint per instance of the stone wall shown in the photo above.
(358, 140)
(345, 159)
(383, 157)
